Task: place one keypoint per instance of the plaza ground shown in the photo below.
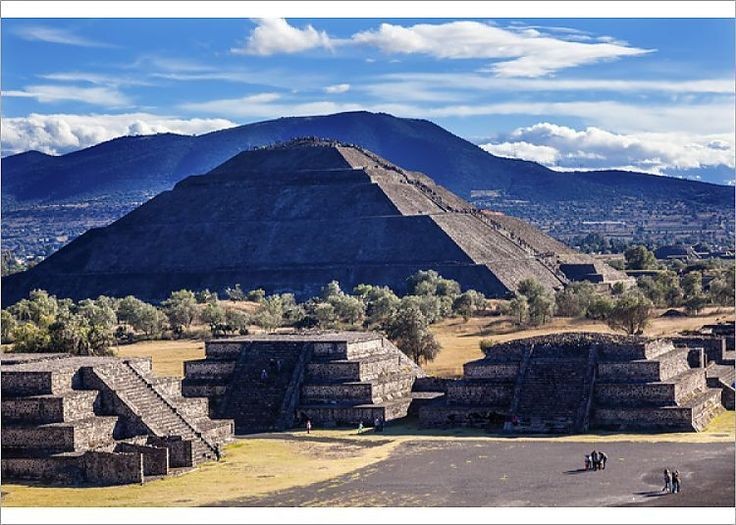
(406, 465)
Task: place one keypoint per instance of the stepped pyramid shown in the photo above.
(100, 420)
(292, 217)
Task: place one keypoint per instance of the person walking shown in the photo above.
(360, 427)
(588, 464)
(667, 481)
(675, 482)
(603, 458)
(264, 375)
(309, 425)
(594, 459)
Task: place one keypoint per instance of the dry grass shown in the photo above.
(250, 467)
(167, 356)
(460, 341)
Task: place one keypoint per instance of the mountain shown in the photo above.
(157, 162)
(291, 218)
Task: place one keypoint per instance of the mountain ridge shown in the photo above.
(153, 163)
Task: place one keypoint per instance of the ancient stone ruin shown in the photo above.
(570, 383)
(99, 420)
(268, 383)
(104, 420)
(292, 218)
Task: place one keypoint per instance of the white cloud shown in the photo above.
(56, 35)
(594, 148)
(96, 78)
(60, 133)
(276, 35)
(337, 88)
(474, 81)
(520, 51)
(524, 150)
(525, 53)
(102, 96)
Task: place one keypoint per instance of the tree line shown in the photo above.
(45, 323)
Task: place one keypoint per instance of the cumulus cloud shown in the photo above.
(276, 35)
(519, 51)
(56, 35)
(101, 96)
(595, 148)
(337, 88)
(522, 52)
(60, 133)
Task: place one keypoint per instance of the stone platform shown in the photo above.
(267, 383)
(569, 383)
(99, 420)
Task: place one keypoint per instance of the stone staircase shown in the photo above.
(156, 412)
(254, 403)
(551, 395)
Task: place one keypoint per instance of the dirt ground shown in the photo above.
(479, 474)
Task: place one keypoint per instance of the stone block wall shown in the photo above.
(113, 468)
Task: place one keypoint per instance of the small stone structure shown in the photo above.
(99, 420)
(266, 383)
(568, 383)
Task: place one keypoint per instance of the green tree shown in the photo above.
(30, 338)
(256, 296)
(639, 258)
(206, 296)
(181, 309)
(721, 289)
(468, 303)
(429, 282)
(631, 312)
(40, 308)
(518, 308)
(695, 303)
(213, 315)
(409, 330)
(381, 304)
(349, 310)
(101, 320)
(575, 299)
(600, 308)
(541, 303)
(7, 325)
(692, 285)
(237, 321)
(235, 293)
(329, 290)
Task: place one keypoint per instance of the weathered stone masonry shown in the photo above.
(573, 382)
(99, 420)
(332, 378)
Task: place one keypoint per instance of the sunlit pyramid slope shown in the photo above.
(292, 217)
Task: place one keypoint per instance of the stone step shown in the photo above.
(83, 434)
(74, 405)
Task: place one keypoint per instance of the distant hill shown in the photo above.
(157, 162)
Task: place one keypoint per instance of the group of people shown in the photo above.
(596, 460)
(671, 481)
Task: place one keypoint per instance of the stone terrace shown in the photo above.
(572, 382)
(272, 382)
(99, 420)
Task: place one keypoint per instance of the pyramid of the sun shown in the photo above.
(292, 217)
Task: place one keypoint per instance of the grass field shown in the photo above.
(167, 356)
(250, 467)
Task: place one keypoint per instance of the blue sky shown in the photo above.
(653, 95)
